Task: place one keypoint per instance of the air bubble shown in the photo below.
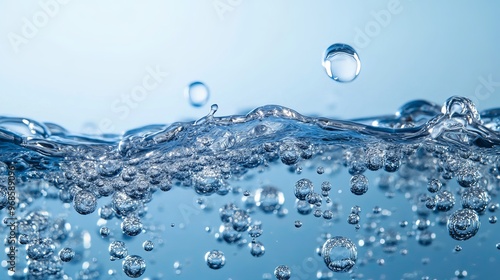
(215, 259)
(134, 266)
(282, 272)
(463, 224)
(339, 254)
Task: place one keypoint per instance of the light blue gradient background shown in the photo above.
(260, 52)
(92, 52)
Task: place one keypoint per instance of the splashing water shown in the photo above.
(442, 162)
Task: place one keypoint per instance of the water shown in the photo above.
(197, 94)
(272, 187)
(341, 63)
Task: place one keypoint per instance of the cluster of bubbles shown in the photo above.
(443, 160)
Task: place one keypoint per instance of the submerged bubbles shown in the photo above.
(197, 93)
(282, 272)
(463, 224)
(215, 259)
(134, 266)
(339, 254)
(341, 63)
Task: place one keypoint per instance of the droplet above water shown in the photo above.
(341, 63)
(197, 93)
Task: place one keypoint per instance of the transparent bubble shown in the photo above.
(359, 184)
(117, 250)
(269, 199)
(303, 207)
(197, 94)
(339, 254)
(282, 272)
(353, 219)
(444, 200)
(476, 199)
(148, 245)
(84, 202)
(40, 249)
(492, 219)
(298, 224)
(66, 254)
(255, 230)
(227, 211)
(314, 199)
(341, 63)
(241, 220)
(463, 224)
(131, 226)
(303, 187)
(328, 214)
(134, 266)
(215, 259)
(434, 185)
(257, 249)
(106, 212)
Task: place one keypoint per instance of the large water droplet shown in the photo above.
(341, 63)
(197, 93)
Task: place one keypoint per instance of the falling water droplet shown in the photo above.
(341, 63)
(197, 93)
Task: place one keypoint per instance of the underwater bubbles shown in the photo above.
(215, 259)
(134, 266)
(197, 93)
(341, 63)
(463, 224)
(339, 254)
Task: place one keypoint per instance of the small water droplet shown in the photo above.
(341, 63)
(197, 93)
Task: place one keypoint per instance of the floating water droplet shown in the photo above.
(197, 93)
(134, 266)
(341, 63)
(339, 254)
(215, 259)
(282, 272)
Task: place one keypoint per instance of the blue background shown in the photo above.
(88, 55)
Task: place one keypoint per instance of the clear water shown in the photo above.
(268, 195)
